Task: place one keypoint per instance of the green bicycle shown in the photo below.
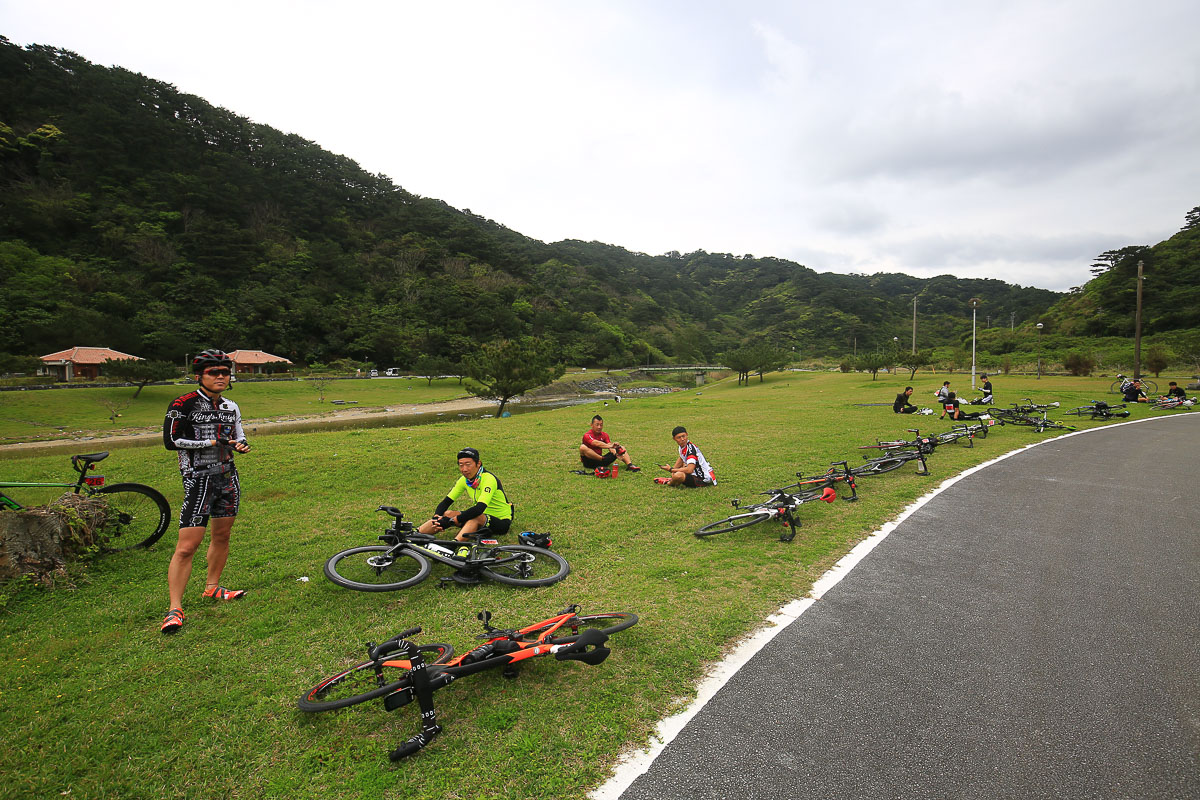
(142, 513)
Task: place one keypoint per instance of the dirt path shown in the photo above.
(268, 425)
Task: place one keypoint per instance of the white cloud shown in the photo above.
(1012, 140)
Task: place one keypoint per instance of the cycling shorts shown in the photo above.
(592, 463)
(207, 496)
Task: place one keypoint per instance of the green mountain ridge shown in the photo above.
(138, 217)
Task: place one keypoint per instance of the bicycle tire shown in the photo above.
(1149, 386)
(142, 515)
(356, 573)
(735, 523)
(329, 694)
(879, 466)
(607, 623)
(541, 567)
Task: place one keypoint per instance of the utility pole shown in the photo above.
(974, 303)
(914, 346)
(1137, 329)
(1012, 320)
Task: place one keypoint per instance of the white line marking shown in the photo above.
(634, 764)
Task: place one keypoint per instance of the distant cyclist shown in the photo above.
(690, 468)
(206, 429)
(901, 404)
(1132, 392)
(1175, 390)
(986, 399)
(596, 441)
(490, 504)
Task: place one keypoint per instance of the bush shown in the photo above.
(1079, 364)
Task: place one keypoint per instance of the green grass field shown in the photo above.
(96, 703)
(61, 413)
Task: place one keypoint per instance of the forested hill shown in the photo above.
(140, 218)
(1106, 305)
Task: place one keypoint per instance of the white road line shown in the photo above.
(634, 764)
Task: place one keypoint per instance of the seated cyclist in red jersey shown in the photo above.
(596, 441)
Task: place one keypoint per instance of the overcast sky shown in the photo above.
(1014, 140)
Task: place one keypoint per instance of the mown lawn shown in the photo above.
(96, 703)
(35, 415)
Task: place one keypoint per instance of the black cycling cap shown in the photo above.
(469, 452)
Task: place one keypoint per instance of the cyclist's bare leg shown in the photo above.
(218, 549)
(470, 526)
(181, 563)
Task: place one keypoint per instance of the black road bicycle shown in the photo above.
(399, 671)
(139, 514)
(1099, 410)
(404, 560)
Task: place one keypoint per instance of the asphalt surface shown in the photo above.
(1031, 632)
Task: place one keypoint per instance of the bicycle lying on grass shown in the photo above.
(1099, 410)
(404, 560)
(399, 671)
(140, 515)
(1172, 403)
(782, 504)
(897, 453)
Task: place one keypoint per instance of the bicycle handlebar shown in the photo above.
(393, 644)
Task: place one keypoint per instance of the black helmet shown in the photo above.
(471, 453)
(211, 358)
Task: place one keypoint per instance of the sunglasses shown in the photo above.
(217, 373)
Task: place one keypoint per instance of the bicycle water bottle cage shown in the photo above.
(588, 648)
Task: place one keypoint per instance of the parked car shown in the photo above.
(374, 373)
(393, 372)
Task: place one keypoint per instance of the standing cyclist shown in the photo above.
(206, 429)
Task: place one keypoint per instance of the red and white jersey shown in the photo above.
(690, 454)
(594, 440)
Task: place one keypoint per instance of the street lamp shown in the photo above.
(974, 304)
(1039, 347)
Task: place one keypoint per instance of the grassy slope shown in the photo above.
(35, 415)
(90, 686)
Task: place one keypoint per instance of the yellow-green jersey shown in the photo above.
(486, 489)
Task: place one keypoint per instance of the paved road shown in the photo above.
(1010, 639)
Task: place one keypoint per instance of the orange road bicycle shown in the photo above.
(140, 515)
(399, 671)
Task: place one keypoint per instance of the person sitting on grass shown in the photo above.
(1175, 390)
(951, 408)
(901, 405)
(690, 468)
(1132, 392)
(596, 441)
(986, 388)
(491, 508)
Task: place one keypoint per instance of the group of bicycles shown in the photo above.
(783, 504)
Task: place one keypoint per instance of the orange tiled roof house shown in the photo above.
(252, 361)
(79, 362)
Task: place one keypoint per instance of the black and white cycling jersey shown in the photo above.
(193, 422)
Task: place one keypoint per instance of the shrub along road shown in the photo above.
(1030, 632)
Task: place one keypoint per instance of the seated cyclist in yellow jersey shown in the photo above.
(490, 507)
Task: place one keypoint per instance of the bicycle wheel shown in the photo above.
(736, 522)
(138, 516)
(1149, 386)
(360, 683)
(371, 569)
(607, 623)
(1114, 387)
(526, 566)
(879, 466)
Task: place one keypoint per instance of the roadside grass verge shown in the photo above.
(35, 415)
(95, 702)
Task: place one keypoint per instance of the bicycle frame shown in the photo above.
(404, 536)
(830, 479)
(84, 483)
